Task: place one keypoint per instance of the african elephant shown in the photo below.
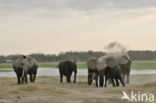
(125, 64)
(92, 70)
(33, 69)
(114, 73)
(23, 66)
(125, 70)
(66, 68)
(108, 66)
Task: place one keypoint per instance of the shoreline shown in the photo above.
(136, 65)
(135, 79)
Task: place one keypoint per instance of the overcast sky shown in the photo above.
(54, 26)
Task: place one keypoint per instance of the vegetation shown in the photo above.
(80, 56)
(5, 65)
(144, 65)
(51, 64)
(82, 65)
(142, 59)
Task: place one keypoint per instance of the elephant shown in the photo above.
(125, 70)
(125, 65)
(114, 73)
(66, 68)
(23, 66)
(108, 65)
(92, 70)
(33, 70)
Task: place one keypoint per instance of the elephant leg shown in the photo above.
(18, 79)
(113, 84)
(90, 82)
(123, 77)
(23, 77)
(101, 80)
(34, 78)
(88, 79)
(127, 81)
(61, 78)
(96, 79)
(26, 79)
(122, 82)
(106, 78)
(88, 75)
(68, 79)
(31, 80)
(75, 72)
(117, 82)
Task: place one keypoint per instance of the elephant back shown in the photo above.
(19, 63)
(123, 59)
(32, 62)
(106, 61)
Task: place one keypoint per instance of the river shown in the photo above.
(55, 72)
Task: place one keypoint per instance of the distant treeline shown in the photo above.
(80, 56)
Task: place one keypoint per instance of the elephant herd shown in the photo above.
(108, 67)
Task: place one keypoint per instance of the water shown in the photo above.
(55, 72)
(42, 72)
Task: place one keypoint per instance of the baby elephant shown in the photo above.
(66, 68)
(114, 73)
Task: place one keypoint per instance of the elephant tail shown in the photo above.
(22, 72)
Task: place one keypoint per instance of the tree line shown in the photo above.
(80, 56)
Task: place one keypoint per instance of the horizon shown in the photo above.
(69, 51)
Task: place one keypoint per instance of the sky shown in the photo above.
(54, 26)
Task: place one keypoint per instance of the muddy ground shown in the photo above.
(50, 90)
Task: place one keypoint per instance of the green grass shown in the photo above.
(82, 65)
(143, 65)
(5, 65)
(51, 64)
(135, 65)
(6, 70)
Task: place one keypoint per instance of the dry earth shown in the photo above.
(50, 90)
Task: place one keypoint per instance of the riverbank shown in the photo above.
(55, 72)
(50, 90)
(136, 65)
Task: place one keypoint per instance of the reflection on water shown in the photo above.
(55, 72)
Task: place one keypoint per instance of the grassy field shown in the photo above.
(138, 65)
(50, 90)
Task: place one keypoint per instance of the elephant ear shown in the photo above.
(92, 62)
(101, 63)
(123, 59)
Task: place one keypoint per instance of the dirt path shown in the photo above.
(142, 79)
